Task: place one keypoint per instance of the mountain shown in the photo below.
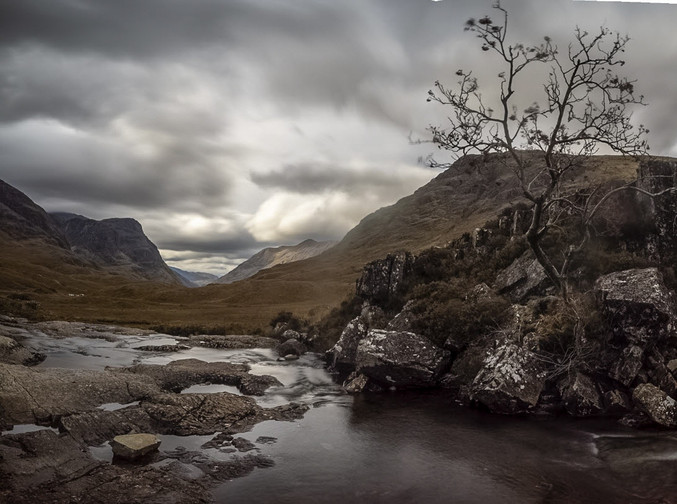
(474, 190)
(272, 256)
(119, 243)
(194, 278)
(22, 219)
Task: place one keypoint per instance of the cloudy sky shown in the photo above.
(225, 126)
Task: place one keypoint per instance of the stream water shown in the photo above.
(416, 447)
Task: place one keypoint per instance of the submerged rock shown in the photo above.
(291, 346)
(134, 446)
(401, 359)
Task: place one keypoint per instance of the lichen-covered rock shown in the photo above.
(580, 396)
(659, 406)
(626, 367)
(404, 320)
(134, 446)
(383, 278)
(342, 354)
(400, 359)
(523, 278)
(659, 374)
(510, 381)
(638, 305)
(357, 382)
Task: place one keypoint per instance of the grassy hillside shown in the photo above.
(455, 202)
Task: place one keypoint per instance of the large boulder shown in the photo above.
(659, 406)
(400, 359)
(523, 278)
(638, 305)
(581, 396)
(383, 278)
(510, 381)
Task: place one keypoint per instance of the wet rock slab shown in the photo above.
(181, 374)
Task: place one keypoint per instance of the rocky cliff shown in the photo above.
(119, 243)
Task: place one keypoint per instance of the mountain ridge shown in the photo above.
(272, 256)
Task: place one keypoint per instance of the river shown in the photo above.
(406, 447)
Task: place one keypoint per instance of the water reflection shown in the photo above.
(405, 447)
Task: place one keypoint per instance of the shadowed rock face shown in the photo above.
(20, 218)
(115, 242)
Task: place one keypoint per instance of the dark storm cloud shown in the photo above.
(307, 178)
(179, 113)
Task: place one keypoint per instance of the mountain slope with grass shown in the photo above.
(470, 193)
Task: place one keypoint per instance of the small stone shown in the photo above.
(289, 357)
(134, 446)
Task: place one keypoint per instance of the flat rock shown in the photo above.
(134, 446)
(181, 374)
(38, 395)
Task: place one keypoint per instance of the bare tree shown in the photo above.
(584, 105)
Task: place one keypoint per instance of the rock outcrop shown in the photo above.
(384, 278)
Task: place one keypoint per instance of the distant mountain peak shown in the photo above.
(272, 256)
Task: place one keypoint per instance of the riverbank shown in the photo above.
(395, 447)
